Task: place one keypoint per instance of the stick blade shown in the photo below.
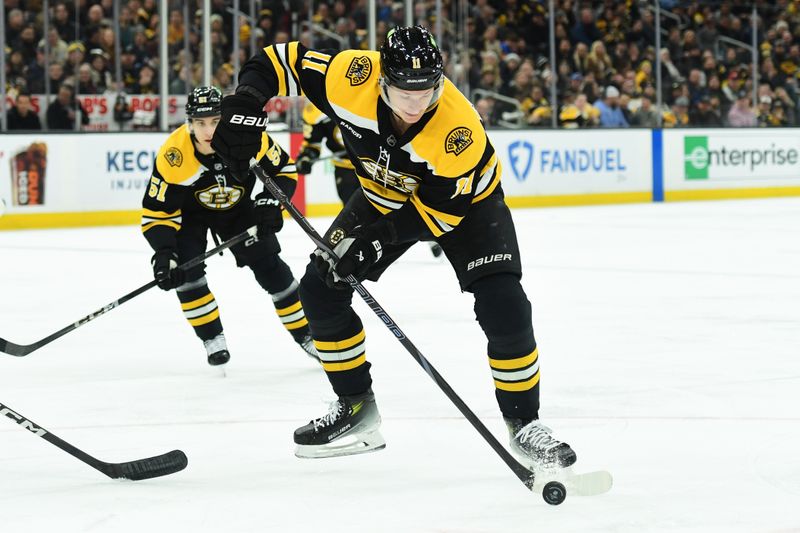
(160, 465)
(16, 350)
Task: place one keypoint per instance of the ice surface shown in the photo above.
(670, 354)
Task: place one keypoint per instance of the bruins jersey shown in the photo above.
(317, 127)
(186, 181)
(425, 179)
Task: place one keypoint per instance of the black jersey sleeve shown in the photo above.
(287, 69)
(161, 211)
(278, 165)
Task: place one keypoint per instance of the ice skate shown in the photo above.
(349, 428)
(307, 344)
(534, 445)
(217, 351)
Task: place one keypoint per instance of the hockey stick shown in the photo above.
(160, 465)
(525, 475)
(21, 350)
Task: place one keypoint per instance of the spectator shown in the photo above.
(146, 84)
(76, 52)
(63, 22)
(56, 73)
(678, 116)
(741, 114)
(61, 113)
(764, 114)
(58, 47)
(585, 30)
(703, 115)
(22, 116)
(83, 81)
(611, 116)
(579, 114)
(779, 115)
(485, 108)
(646, 115)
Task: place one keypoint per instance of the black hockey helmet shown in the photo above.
(410, 59)
(204, 102)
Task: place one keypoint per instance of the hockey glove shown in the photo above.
(360, 250)
(268, 214)
(237, 138)
(166, 271)
(304, 160)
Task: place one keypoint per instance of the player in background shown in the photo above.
(427, 171)
(192, 192)
(318, 128)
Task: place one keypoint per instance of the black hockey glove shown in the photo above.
(237, 138)
(305, 159)
(269, 217)
(166, 271)
(357, 252)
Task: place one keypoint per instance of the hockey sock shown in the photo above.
(290, 311)
(200, 308)
(504, 313)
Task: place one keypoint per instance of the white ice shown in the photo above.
(670, 355)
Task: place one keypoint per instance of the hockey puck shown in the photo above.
(554, 493)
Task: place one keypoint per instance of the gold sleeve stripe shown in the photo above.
(451, 220)
(289, 310)
(314, 66)
(292, 59)
(282, 52)
(161, 223)
(382, 210)
(347, 365)
(518, 386)
(325, 58)
(330, 346)
(197, 303)
(279, 72)
(490, 189)
(513, 364)
(160, 214)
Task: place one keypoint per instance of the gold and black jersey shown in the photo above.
(186, 181)
(318, 127)
(426, 178)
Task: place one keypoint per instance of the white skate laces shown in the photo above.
(536, 435)
(334, 410)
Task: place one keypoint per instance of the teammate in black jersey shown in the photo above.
(427, 171)
(191, 192)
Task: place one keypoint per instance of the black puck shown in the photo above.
(554, 493)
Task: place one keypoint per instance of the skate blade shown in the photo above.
(219, 371)
(353, 445)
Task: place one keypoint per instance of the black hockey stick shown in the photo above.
(160, 465)
(21, 350)
(524, 474)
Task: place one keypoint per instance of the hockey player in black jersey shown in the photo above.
(317, 127)
(192, 192)
(427, 171)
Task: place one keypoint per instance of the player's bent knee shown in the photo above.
(502, 308)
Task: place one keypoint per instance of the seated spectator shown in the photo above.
(678, 116)
(22, 115)
(764, 113)
(779, 115)
(646, 115)
(611, 116)
(62, 111)
(741, 114)
(579, 114)
(704, 115)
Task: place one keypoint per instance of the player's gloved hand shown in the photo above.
(165, 269)
(237, 138)
(268, 214)
(304, 161)
(360, 250)
(324, 265)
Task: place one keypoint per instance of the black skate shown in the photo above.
(532, 443)
(349, 428)
(217, 351)
(219, 358)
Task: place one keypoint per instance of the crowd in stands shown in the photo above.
(604, 69)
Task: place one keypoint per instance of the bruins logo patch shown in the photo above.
(336, 236)
(174, 157)
(458, 140)
(359, 70)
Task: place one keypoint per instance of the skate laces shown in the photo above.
(334, 411)
(536, 435)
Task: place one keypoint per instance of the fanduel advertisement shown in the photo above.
(537, 162)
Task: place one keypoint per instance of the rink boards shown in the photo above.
(59, 180)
